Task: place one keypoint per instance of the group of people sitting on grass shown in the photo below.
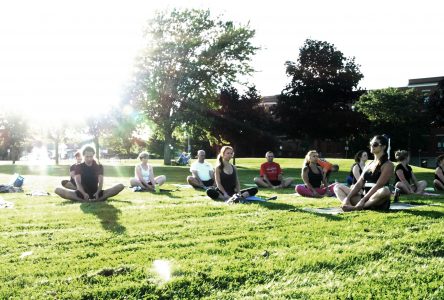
(367, 184)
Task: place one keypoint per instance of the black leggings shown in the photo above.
(214, 193)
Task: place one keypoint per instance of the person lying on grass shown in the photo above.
(315, 181)
(271, 174)
(227, 181)
(374, 180)
(404, 175)
(89, 181)
(438, 183)
(144, 175)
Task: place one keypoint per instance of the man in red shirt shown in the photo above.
(271, 174)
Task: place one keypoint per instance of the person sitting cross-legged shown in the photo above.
(313, 177)
(202, 172)
(71, 183)
(144, 179)
(374, 180)
(226, 178)
(271, 174)
(89, 181)
(404, 176)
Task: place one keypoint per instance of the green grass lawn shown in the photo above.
(55, 249)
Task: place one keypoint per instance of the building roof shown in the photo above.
(423, 82)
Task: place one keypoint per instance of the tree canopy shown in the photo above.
(397, 112)
(323, 86)
(189, 57)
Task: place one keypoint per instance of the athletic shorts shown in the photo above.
(91, 196)
(208, 182)
(275, 182)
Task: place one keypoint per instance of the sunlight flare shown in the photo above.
(163, 269)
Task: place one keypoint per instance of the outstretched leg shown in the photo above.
(68, 194)
(111, 192)
(260, 182)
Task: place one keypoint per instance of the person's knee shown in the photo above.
(58, 191)
(190, 179)
(257, 179)
(385, 192)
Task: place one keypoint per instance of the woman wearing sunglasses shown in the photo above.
(374, 180)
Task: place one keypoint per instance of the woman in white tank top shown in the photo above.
(144, 179)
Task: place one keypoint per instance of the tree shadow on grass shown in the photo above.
(107, 213)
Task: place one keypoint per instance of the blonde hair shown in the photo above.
(400, 155)
(144, 154)
(307, 158)
(220, 160)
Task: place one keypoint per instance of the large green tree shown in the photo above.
(189, 57)
(13, 133)
(317, 102)
(435, 106)
(242, 122)
(397, 112)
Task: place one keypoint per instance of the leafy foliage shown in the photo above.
(323, 86)
(241, 122)
(400, 113)
(435, 106)
(188, 58)
(13, 133)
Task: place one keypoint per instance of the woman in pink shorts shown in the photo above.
(315, 182)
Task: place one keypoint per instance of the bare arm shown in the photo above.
(439, 173)
(304, 175)
(99, 187)
(196, 176)
(78, 180)
(219, 183)
(237, 189)
(355, 172)
(401, 177)
(139, 176)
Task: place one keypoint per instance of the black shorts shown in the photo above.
(275, 182)
(214, 193)
(91, 196)
(208, 182)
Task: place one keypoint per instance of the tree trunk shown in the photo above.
(96, 144)
(56, 152)
(13, 156)
(167, 150)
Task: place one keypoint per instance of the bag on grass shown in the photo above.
(17, 180)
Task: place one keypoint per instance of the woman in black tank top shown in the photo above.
(438, 183)
(405, 179)
(315, 181)
(374, 179)
(226, 178)
(356, 169)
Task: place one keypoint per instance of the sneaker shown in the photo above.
(137, 189)
(397, 193)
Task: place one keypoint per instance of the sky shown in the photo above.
(59, 59)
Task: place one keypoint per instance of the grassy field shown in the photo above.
(182, 245)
